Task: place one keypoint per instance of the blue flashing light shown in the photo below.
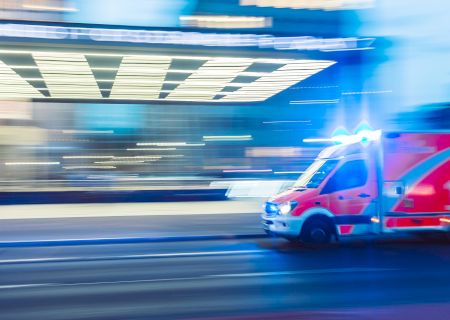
(340, 131)
(363, 126)
(341, 136)
(369, 135)
(361, 136)
(364, 133)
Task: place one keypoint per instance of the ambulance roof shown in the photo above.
(341, 150)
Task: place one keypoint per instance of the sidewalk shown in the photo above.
(40, 211)
(49, 225)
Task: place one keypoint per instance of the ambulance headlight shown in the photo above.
(286, 207)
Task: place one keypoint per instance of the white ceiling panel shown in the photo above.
(78, 76)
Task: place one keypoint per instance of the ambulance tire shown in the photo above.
(317, 230)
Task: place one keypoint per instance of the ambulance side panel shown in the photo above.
(416, 181)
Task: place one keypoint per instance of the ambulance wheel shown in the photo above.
(317, 231)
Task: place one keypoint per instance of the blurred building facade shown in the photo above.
(76, 136)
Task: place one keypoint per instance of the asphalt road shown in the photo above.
(130, 227)
(229, 279)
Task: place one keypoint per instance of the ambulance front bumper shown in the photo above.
(283, 226)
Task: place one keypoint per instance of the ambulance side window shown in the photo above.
(352, 174)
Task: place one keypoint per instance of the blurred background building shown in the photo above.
(146, 93)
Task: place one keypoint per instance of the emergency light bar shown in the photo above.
(361, 136)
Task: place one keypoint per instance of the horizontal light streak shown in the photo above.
(85, 131)
(136, 157)
(152, 72)
(133, 98)
(88, 167)
(247, 170)
(69, 67)
(32, 163)
(147, 157)
(74, 68)
(151, 149)
(331, 101)
(224, 167)
(88, 157)
(219, 71)
(218, 18)
(310, 4)
(49, 8)
(15, 85)
(287, 121)
(228, 138)
(284, 76)
(94, 54)
(225, 22)
(288, 172)
(83, 80)
(268, 83)
(348, 49)
(170, 144)
(187, 93)
(120, 162)
(172, 156)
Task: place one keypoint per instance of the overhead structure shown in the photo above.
(67, 74)
(145, 77)
(311, 5)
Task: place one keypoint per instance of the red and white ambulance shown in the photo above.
(394, 182)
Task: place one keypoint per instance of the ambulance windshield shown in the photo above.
(316, 173)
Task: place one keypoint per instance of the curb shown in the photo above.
(101, 241)
(110, 196)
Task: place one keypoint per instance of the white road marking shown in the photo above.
(203, 277)
(137, 256)
(15, 286)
